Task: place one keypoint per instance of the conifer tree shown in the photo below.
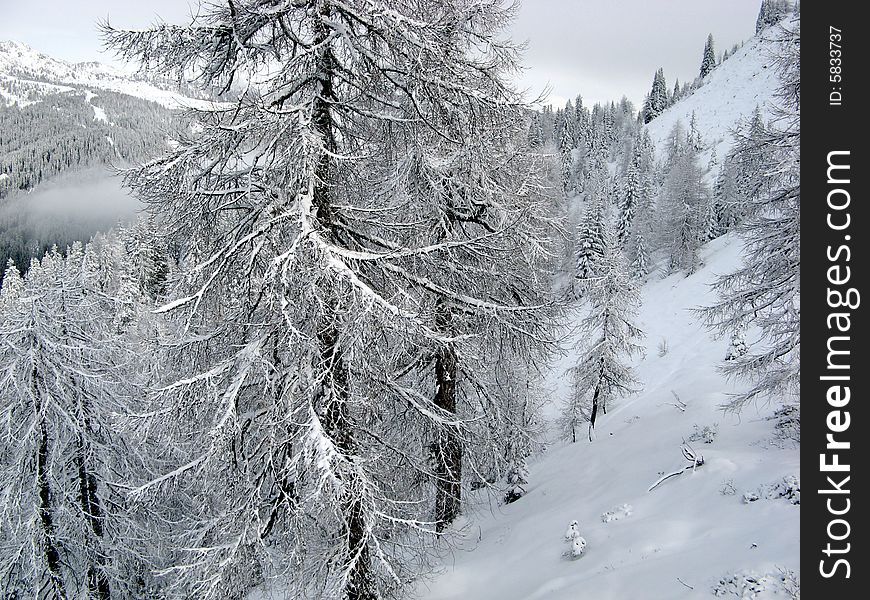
(708, 62)
(64, 528)
(657, 100)
(685, 205)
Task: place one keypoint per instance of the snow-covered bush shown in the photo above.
(738, 346)
(663, 347)
(788, 423)
(741, 585)
(572, 531)
(706, 434)
(788, 488)
(750, 585)
(617, 513)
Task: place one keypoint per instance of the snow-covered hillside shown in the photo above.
(728, 527)
(21, 63)
(729, 95)
(679, 540)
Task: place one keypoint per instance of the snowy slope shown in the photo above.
(730, 94)
(20, 62)
(686, 533)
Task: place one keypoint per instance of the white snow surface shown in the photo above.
(686, 532)
(20, 61)
(728, 96)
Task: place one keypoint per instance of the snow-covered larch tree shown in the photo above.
(765, 292)
(602, 373)
(63, 530)
(685, 205)
(359, 230)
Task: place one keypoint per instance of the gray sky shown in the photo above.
(599, 48)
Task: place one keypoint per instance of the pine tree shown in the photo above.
(742, 178)
(708, 63)
(602, 374)
(765, 291)
(640, 265)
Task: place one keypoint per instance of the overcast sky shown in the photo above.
(599, 48)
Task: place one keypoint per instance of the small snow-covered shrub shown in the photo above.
(749, 585)
(617, 513)
(515, 489)
(738, 347)
(706, 434)
(789, 488)
(513, 494)
(788, 423)
(741, 585)
(791, 583)
(663, 347)
(572, 531)
(728, 488)
(577, 541)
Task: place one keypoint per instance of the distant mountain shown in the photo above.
(41, 74)
(63, 125)
(58, 117)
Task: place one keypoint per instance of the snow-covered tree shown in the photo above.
(685, 205)
(742, 178)
(765, 290)
(602, 373)
(362, 236)
(708, 62)
(737, 347)
(591, 231)
(640, 264)
(63, 528)
(657, 100)
(770, 13)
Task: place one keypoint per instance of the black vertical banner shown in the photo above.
(834, 367)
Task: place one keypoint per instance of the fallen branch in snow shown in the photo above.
(679, 404)
(694, 459)
(685, 584)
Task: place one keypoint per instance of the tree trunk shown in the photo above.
(50, 551)
(336, 416)
(448, 450)
(98, 584)
(336, 423)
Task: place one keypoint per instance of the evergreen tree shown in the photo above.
(657, 101)
(770, 13)
(708, 62)
(591, 230)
